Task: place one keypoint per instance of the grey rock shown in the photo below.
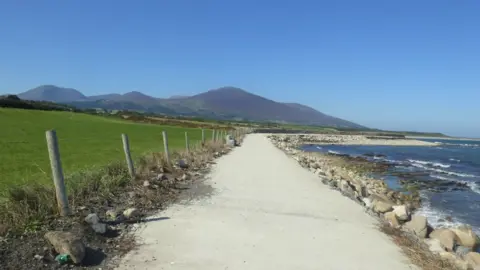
(434, 245)
(161, 177)
(111, 214)
(368, 203)
(100, 228)
(461, 251)
(418, 225)
(131, 213)
(382, 206)
(146, 183)
(67, 243)
(402, 212)
(447, 238)
(92, 219)
(182, 164)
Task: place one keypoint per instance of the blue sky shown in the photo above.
(402, 65)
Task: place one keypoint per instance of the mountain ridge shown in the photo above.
(221, 103)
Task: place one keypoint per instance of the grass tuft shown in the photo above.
(25, 208)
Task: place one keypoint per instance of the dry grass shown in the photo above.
(416, 250)
(28, 208)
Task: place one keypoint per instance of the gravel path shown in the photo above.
(266, 212)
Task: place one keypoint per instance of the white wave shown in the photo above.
(463, 144)
(434, 164)
(436, 217)
(456, 160)
(442, 177)
(318, 147)
(443, 171)
(472, 185)
(454, 173)
(334, 152)
(418, 161)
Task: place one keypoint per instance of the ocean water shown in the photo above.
(448, 176)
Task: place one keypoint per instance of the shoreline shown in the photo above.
(348, 175)
(333, 139)
(445, 138)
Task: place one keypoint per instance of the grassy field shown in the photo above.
(85, 142)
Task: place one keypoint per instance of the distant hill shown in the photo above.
(52, 93)
(222, 103)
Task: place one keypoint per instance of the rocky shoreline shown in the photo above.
(349, 176)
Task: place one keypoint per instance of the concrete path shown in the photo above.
(266, 212)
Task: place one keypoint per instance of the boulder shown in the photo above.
(402, 213)
(473, 259)
(466, 237)
(67, 243)
(183, 165)
(434, 245)
(146, 183)
(368, 203)
(392, 219)
(161, 176)
(111, 214)
(461, 251)
(100, 228)
(382, 206)
(448, 256)
(92, 219)
(131, 213)
(446, 237)
(418, 226)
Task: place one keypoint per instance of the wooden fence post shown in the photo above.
(203, 136)
(187, 147)
(213, 135)
(57, 172)
(128, 157)
(165, 146)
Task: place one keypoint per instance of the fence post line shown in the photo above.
(187, 147)
(165, 146)
(128, 157)
(203, 136)
(213, 135)
(57, 172)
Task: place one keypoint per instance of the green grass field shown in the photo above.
(85, 142)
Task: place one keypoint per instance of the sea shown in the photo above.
(447, 176)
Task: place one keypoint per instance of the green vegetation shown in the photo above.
(86, 142)
(12, 101)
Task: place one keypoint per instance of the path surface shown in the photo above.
(266, 212)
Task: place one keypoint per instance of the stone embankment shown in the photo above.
(395, 208)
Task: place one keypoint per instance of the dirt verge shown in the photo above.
(30, 211)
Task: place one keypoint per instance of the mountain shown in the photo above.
(236, 101)
(52, 93)
(225, 103)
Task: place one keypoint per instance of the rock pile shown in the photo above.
(395, 208)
